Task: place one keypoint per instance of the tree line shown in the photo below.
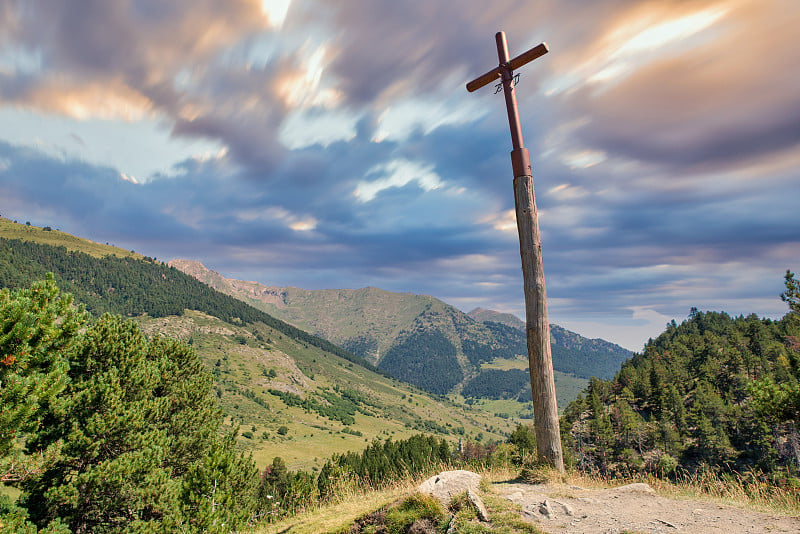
(714, 392)
(131, 287)
(107, 431)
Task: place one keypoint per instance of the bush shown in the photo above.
(666, 465)
(524, 437)
(417, 507)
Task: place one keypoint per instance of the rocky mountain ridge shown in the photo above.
(413, 337)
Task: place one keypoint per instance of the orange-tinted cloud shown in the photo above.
(728, 92)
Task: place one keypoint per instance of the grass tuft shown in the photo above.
(745, 490)
(739, 489)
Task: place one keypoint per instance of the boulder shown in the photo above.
(448, 484)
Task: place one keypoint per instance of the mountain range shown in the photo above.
(418, 338)
(290, 392)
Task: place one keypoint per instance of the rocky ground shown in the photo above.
(634, 508)
(557, 508)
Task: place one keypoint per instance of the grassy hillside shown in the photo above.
(291, 394)
(49, 236)
(568, 386)
(422, 340)
(509, 319)
(294, 400)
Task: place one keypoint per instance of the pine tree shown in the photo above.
(138, 422)
(38, 329)
(220, 491)
(792, 294)
(524, 438)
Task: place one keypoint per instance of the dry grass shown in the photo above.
(354, 503)
(345, 510)
(742, 490)
(12, 230)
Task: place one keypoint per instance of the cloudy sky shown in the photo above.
(333, 144)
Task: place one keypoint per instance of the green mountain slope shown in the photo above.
(572, 353)
(366, 320)
(292, 394)
(418, 338)
(715, 391)
(294, 400)
(48, 236)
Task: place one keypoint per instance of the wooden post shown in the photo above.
(537, 326)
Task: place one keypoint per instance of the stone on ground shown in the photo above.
(448, 484)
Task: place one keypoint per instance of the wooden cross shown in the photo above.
(537, 327)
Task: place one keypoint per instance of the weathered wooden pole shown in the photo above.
(537, 326)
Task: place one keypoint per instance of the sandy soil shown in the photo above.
(635, 508)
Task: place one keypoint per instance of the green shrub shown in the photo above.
(417, 507)
(666, 465)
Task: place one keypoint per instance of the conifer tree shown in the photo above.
(792, 294)
(139, 426)
(38, 329)
(524, 438)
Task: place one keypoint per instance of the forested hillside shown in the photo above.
(714, 391)
(585, 357)
(572, 353)
(420, 339)
(131, 287)
(281, 384)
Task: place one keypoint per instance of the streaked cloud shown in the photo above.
(319, 144)
(275, 11)
(396, 173)
(317, 127)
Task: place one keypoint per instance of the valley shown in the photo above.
(418, 337)
(287, 391)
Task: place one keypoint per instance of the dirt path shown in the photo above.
(635, 508)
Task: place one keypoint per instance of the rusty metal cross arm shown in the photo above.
(497, 72)
(520, 160)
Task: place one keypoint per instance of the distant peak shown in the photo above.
(178, 263)
(509, 319)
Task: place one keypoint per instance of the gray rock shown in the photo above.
(638, 487)
(546, 510)
(567, 509)
(422, 526)
(477, 503)
(447, 484)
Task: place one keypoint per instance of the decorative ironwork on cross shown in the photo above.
(537, 327)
